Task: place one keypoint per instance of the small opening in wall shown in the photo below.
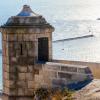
(21, 49)
(43, 51)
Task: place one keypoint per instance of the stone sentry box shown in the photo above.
(23, 39)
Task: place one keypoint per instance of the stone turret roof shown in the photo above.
(27, 11)
(27, 18)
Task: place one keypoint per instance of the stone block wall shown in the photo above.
(20, 41)
(21, 72)
(20, 54)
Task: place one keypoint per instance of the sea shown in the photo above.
(70, 18)
(85, 49)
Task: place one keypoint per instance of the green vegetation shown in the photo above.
(53, 94)
(42, 93)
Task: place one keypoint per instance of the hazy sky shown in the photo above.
(53, 9)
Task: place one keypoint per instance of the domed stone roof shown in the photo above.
(27, 11)
(26, 18)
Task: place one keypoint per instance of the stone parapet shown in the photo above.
(94, 67)
(55, 74)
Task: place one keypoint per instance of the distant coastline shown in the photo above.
(0, 51)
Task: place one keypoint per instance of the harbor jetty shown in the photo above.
(74, 38)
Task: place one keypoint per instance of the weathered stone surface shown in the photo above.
(59, 82)
(9, 83)
(5, 67)
(38, 66)
(21, 84)
(26, 37)
(29, 92)
(6, 75)
(4, 36)
(36, 71)
(13, 68)
(81, 70)
(52, 74)
(39, 79)
(22, 68)
(64, 75)
(47, 30)
(22, 76)
(4, 59)
(20, 37)
(69, 69)
(6, 90)
(21, 92)
(6, 97)
(12, 37)
(32, 37)
(30, 76)
(37, 31)
(7, 62)
(30, 68)
(20, 55)
(25, 98)
(13, 76)
(4, 51)
(13, 92)
(31, 84)
(52, 67)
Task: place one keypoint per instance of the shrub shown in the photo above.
(67, 93)
(53, 94)
(42, 93)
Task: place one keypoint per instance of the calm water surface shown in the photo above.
(86, 49)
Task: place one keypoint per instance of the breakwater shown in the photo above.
(74, 38)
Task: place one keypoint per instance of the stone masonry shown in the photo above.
(27, 58)
(59, 75)
(20, 53)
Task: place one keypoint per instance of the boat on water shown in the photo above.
(98, 18)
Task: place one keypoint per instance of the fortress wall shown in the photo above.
(60, 75)
(95, 67)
